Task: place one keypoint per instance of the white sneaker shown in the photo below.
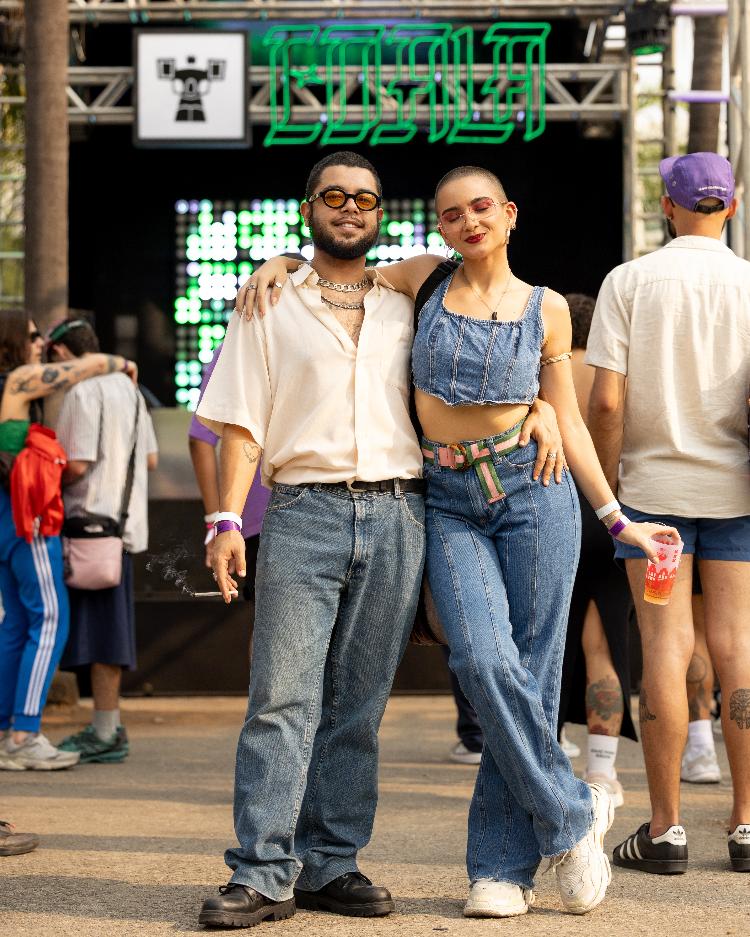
(37, 753)
(6, 762)
(699, 766)
(489, 898)
(611, 785)
(570, 748)
(464, 756)
(583, 872)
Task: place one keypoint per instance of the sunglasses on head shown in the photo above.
(337, 198)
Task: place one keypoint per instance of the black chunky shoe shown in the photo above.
(739, 848)
(663, 855)
(352, 893)
(242, 906)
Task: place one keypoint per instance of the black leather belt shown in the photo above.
(388, 485)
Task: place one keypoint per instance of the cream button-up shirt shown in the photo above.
(677, 323)
(322, 408)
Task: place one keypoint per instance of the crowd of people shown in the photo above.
(74, 486)
(417, 429)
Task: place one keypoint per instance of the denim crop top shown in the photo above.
(462, 360)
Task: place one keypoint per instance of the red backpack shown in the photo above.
(35, 485)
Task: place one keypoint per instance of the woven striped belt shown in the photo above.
(479, 455)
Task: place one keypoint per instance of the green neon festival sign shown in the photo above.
(435, 83)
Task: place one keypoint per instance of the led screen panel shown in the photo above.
(219, 244)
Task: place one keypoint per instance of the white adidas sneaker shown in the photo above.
(489, 898)
(583, 872)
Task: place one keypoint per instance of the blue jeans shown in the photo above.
(502, 575)
(336, 589)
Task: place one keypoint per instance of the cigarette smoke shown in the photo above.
(166, 565)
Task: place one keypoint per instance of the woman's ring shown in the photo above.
(277, 284)
(252, 286)
(551, 456)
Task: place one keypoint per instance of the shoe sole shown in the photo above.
(17, 850)
(46, 766)
(740, 865)
(712, 780)
(490, 912)
(104, 758)
(600, 832)
(277, 912)
(309, 901)
(654, 866)
(7, 765)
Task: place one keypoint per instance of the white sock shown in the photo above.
(701, 735)
(602, 752)
(105, 723)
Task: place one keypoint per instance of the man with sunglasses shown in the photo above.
(322, 388)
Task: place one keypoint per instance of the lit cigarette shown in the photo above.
(211, 595)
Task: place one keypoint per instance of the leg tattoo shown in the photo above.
(604, 699)
(644, 713)
(739, 708)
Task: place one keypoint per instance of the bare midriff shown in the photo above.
(441, 423)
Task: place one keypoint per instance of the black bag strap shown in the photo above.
(443, 270)
(130, 477)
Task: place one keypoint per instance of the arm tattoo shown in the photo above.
(604, 699)
(644, 713)
(251, 452)
(111, 364)
(22, 385)
(49, 375)
(739, 708)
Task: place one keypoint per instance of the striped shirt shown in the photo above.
(96, 424)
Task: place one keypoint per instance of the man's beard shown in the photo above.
(349, 250)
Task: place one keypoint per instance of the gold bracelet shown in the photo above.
(554, 358)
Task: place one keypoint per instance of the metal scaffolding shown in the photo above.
(161, 11)
(739, 120)
(573, 92)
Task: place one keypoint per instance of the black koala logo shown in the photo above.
(191, 84)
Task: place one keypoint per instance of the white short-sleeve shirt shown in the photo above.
(677, 323)
(322, 408)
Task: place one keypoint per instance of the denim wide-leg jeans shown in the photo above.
(501, 576)
(337, 584)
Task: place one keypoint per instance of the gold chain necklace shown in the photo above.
(344, 287)
(356, 306)
(493, 312)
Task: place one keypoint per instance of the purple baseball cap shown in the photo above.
(697, 176)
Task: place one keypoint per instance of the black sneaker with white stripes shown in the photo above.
(739, 848)
(664, 855)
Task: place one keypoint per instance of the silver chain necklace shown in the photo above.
(355, 306)
(344, 287)
(493, 312)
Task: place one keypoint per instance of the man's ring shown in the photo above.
(252, 286)
(277, 284)
(551, 456)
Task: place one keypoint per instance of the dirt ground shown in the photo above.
(133, 849)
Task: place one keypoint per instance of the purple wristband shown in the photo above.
(223, 526)
(619, 525)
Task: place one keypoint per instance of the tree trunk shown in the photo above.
(707, 74)
(46, 193)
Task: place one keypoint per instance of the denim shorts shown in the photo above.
(709, 538)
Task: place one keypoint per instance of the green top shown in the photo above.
(13, 435)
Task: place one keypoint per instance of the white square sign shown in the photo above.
(191, 88)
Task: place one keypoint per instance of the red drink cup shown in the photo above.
(660, 576)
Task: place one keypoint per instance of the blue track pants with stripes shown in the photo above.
(35, 627)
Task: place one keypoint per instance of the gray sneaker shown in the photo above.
(15, 844)
(37, 753)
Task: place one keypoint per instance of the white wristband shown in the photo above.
(606, 509)
(210, 534)
(228, 516)
(210, 518)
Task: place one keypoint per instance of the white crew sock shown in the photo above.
(602, 752)
(105, 723)
(701, 736)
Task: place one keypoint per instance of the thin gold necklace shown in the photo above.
(493, 312)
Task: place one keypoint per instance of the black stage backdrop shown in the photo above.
(122, 217)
